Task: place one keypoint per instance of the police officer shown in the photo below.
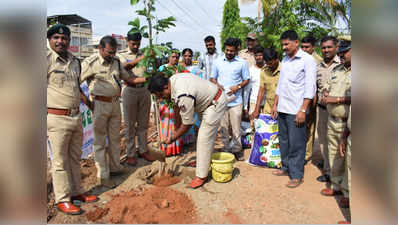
(337, 97)
(64, 122)
(193, 94)
(248, 53)
(136, 102)
(329, 49)
(345, 151)
(103, 72)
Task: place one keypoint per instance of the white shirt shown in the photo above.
(297, 81)
(206, 62)
(251, 89)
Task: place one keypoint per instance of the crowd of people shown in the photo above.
(305, 92)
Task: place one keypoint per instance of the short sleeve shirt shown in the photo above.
(63, 81)
(323, 73)
(191, 94)
(127, 56)
(248, 56)
(229, 73)
(339, 85)
(269, 80)
(103, 77)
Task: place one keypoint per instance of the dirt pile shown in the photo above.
(152, 205)
(165, 180)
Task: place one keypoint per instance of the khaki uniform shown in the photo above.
(346, 185)
(193, 94)
(136, 107)
(269, 80)
(104, 80)
(65, 133)
(338, 85)
(323, 73)
(311, 119)
(249, 57)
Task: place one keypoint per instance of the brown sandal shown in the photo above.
(293, 183)
(280, 173)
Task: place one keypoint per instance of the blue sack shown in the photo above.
(265, 149)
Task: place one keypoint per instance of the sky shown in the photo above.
(195, 18)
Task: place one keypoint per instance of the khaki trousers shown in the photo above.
(65, 134)
(321, 130)
(233, 116)
(207, 133)
(337, 164)
(106, 124)
(310, 123)
(346, 185)
(136, 108)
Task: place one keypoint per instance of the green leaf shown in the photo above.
(133, 2)
(135, 23)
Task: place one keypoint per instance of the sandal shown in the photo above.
(280, 173)
(293, 183)
(197, 182)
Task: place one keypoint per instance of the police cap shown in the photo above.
(58, 29)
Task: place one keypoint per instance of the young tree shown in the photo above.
(231, 23)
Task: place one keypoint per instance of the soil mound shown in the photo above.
(153, 205)
(165, 180)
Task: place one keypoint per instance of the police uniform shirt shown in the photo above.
(323, 73)
(249, 57)
(269, 80)
(127, 56)
(191, 94)
(339, 85)
(103, 77)
(63, 80)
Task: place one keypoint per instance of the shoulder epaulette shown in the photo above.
(91, 58)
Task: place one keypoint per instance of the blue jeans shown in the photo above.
(292, 140)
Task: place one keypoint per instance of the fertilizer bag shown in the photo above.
(265, 148)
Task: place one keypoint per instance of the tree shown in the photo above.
(151, 52)
(231, 23)
(316, 17)
(196, 55)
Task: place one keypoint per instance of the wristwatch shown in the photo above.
(240, 87)
(302, 110)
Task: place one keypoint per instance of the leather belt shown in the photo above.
(136, 85)
(321, 106)
(63, 112)
(219, 92)
(214, 101)
(103, 98)
(339, 119)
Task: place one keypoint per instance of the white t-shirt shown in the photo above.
(251, 90)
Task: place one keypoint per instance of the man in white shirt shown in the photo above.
(207, 59)
(294, 93)
(251, 90)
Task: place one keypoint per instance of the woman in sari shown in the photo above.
(169, 121)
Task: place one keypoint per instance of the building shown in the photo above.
(81, 33)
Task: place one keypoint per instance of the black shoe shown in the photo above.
(239, 156)
(323, 178)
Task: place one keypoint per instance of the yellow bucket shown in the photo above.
(222, 166)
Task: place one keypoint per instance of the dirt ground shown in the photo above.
(254, 195)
